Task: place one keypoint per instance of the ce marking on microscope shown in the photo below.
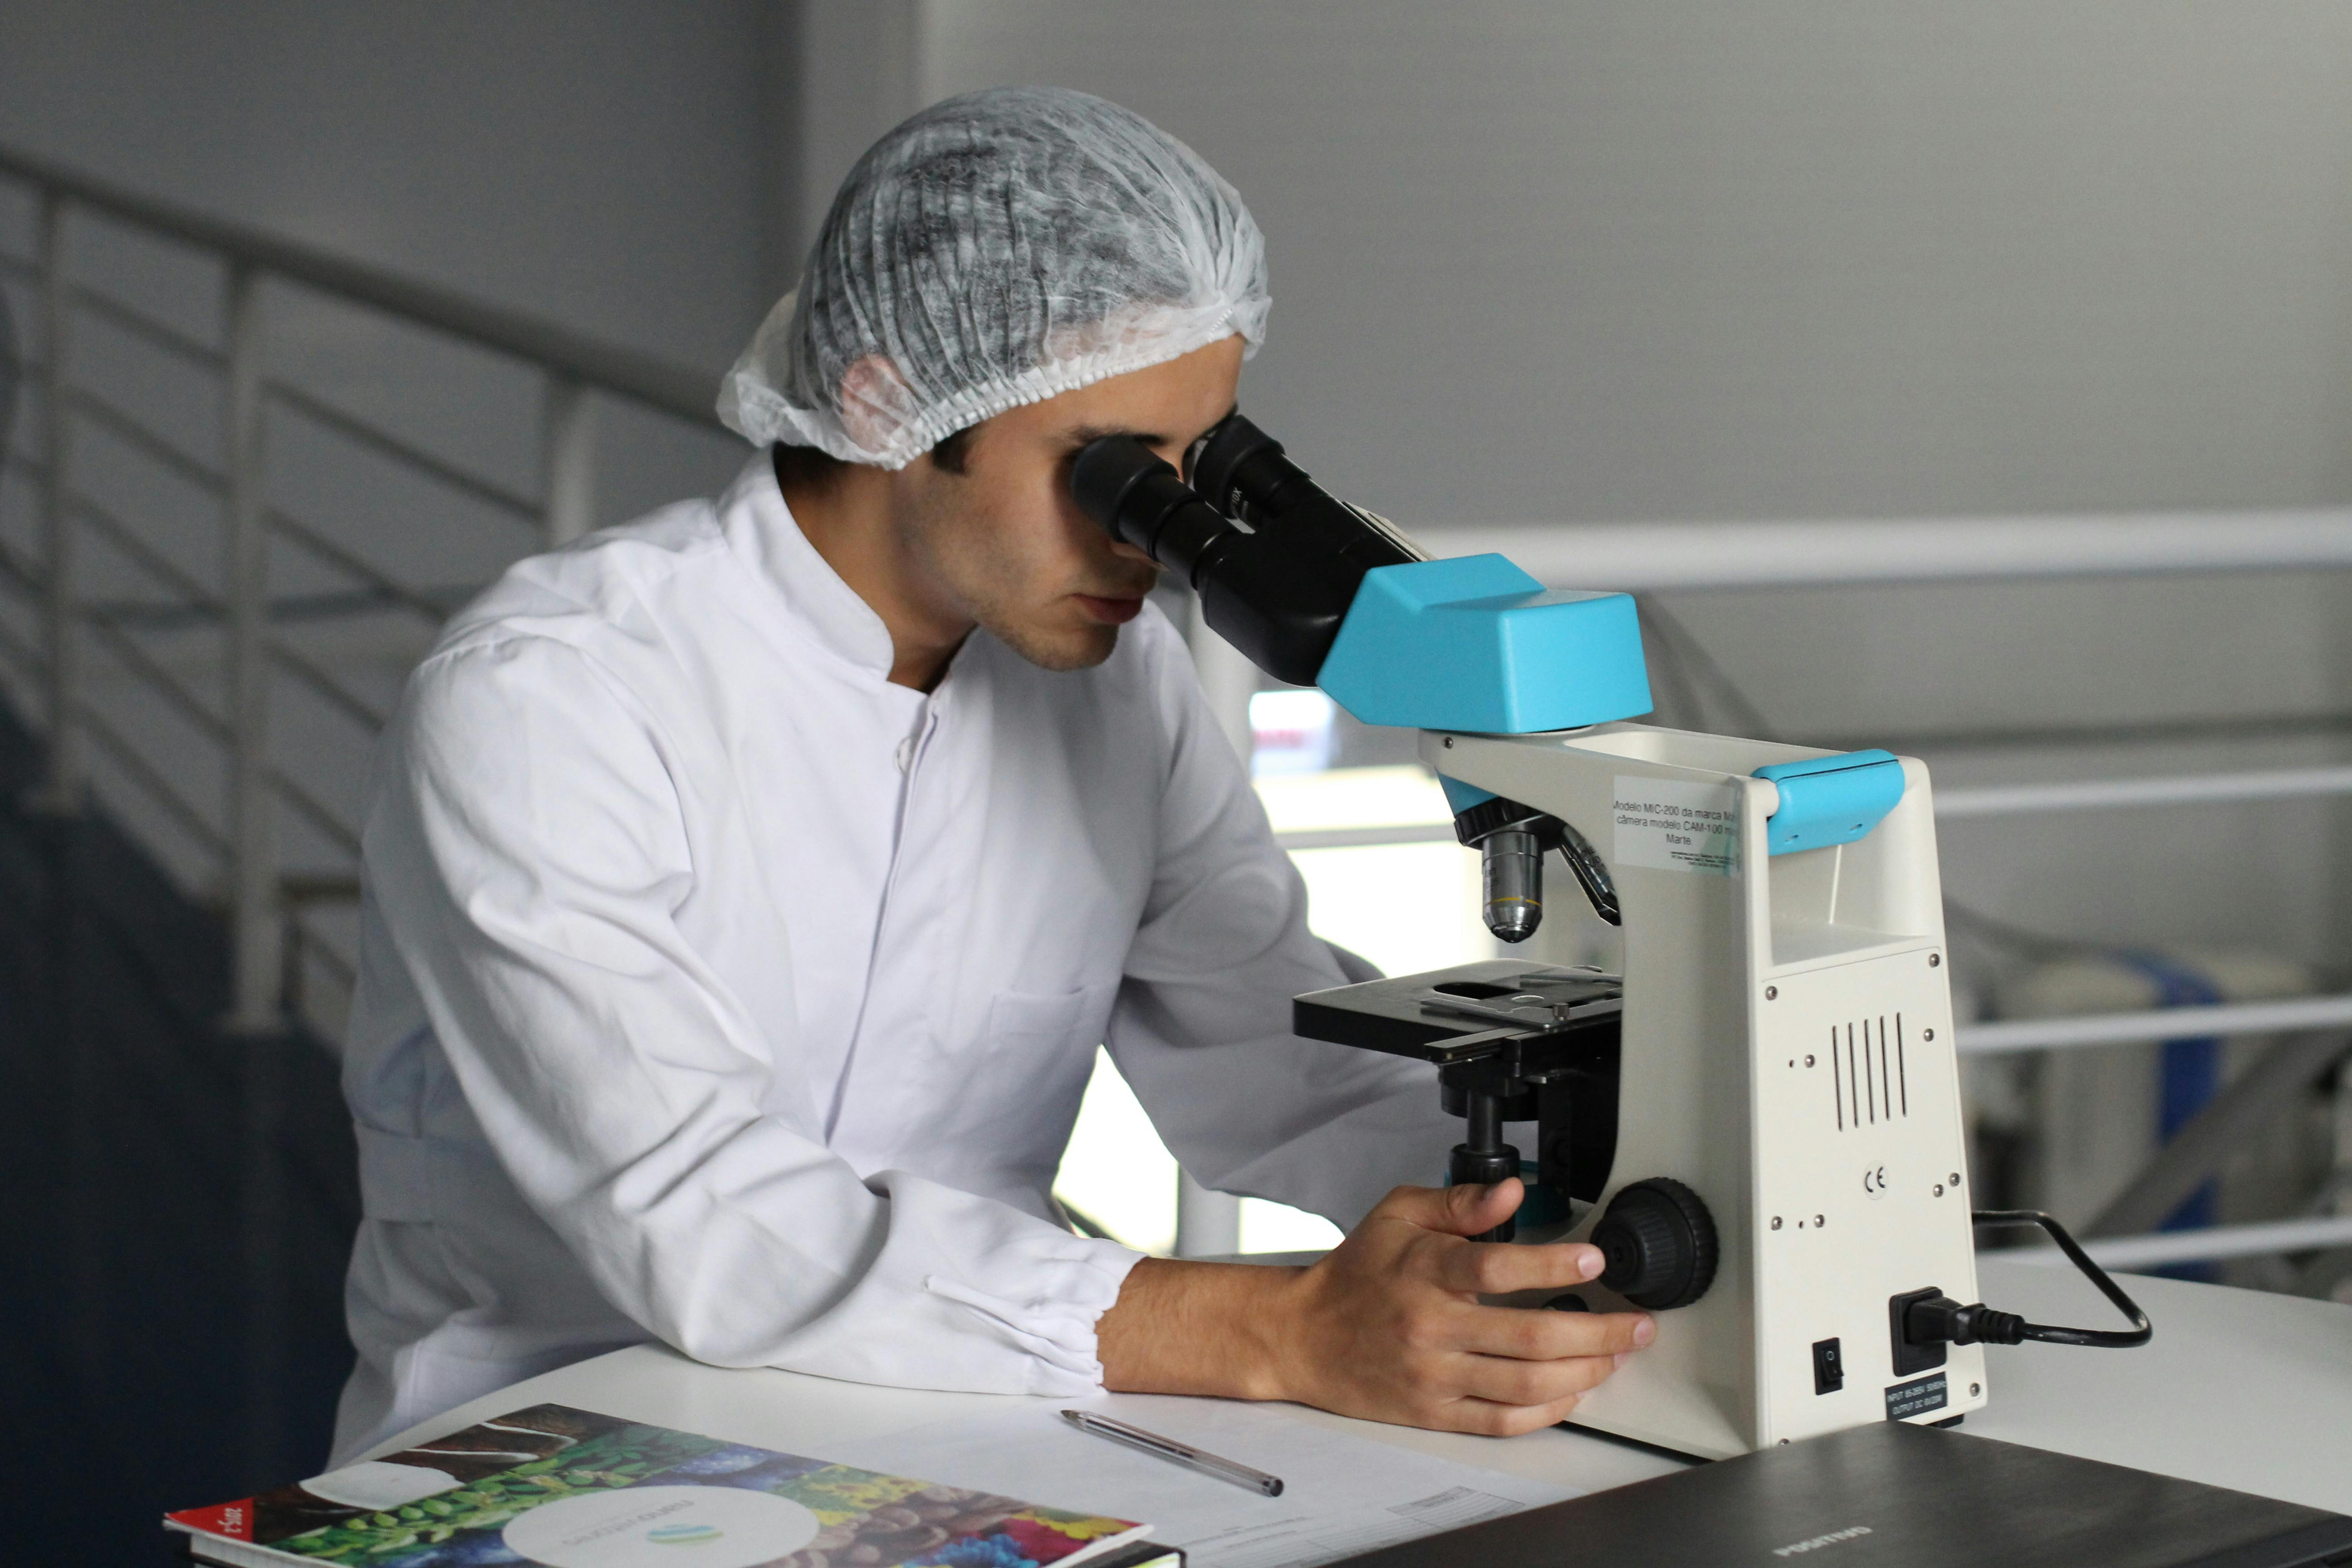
(1874, 1182)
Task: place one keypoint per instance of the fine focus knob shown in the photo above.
(1659, 1244)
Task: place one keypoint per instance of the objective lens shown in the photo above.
(1514, 877)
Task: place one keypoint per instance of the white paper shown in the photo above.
(1342, 1494)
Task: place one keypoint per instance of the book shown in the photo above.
(572, 1489)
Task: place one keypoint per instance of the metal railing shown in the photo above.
(242, 842)
(1662, 555)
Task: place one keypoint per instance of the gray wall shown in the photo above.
(607, 164)
(1662, 259)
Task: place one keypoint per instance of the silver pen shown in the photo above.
(1170, 1449)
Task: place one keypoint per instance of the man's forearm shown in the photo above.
(1181, 1327)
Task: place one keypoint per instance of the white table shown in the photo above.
(2239, 1389)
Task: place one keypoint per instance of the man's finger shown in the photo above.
(1467, 1210)
(1490, 1419)
(1536, 1334)
(1493, 1270)
(1524, 1383)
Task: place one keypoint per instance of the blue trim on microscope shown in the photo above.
(1476, 644)
(1460, 797)
(1830, 800)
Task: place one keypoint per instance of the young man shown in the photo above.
(748, 888)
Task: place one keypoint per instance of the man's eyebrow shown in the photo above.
(1084, 433)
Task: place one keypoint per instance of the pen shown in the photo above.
(1169, 1449)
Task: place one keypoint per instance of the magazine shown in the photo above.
(570, 1488)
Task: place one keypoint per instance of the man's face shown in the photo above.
(1004, 546)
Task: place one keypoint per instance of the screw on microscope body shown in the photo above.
(1449, 742)
(1819, 1221)
(1975, 1389)
(1926, 1034)
(1809, 1058)
(1776, 1222)
(1956, 1179)
(1772, 993)
(1939, 1189)
(1935, 961)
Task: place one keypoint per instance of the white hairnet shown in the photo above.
(995, 249)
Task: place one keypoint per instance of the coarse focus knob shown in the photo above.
(1659, 1245)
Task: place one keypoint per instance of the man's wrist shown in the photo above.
(1182, 1327)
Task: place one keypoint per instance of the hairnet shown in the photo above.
(995, 249)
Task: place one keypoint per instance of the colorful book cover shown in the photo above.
(570, 1489)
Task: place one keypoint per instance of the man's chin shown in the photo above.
(1062, 649)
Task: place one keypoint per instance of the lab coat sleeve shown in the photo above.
(1202, 1031)
(529, 852)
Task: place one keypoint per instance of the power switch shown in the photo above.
(1829, 1367)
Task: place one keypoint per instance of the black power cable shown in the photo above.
(1939, 1318)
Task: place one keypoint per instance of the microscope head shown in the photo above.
(1319, 593)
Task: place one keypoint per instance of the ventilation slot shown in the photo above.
(1869, 1077)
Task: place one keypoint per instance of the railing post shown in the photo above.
(257, 946)
(1227, 679)
(570, 486)
(1208, 1224)
(63, 770)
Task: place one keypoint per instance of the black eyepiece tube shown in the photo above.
(1243, 473)
(1276, 573)
(1138, 500)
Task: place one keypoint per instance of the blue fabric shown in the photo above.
(2190, 1077)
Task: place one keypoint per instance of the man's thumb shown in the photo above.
(1471, 1209)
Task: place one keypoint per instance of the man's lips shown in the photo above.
(1110, 612)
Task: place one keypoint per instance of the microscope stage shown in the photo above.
(1462, 1014)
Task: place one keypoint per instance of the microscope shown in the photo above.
(1758, 1121)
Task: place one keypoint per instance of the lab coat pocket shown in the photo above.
(1030, 1020)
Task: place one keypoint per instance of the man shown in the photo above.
(748, 888)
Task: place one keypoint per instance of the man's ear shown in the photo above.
(875, 403)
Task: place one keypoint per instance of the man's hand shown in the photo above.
(1388, 1327)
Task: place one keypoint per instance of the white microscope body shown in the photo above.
(1787, 1053)
(1769, 1097)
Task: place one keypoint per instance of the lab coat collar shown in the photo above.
(759, 527)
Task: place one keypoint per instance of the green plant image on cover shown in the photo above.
(416, 1532)
(865, 1519)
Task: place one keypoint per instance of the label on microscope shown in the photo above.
(1676, 825)
(1906, 1400)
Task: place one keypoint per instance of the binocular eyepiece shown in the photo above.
(1275, 558)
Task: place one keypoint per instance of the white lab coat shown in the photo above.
(714, 990)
